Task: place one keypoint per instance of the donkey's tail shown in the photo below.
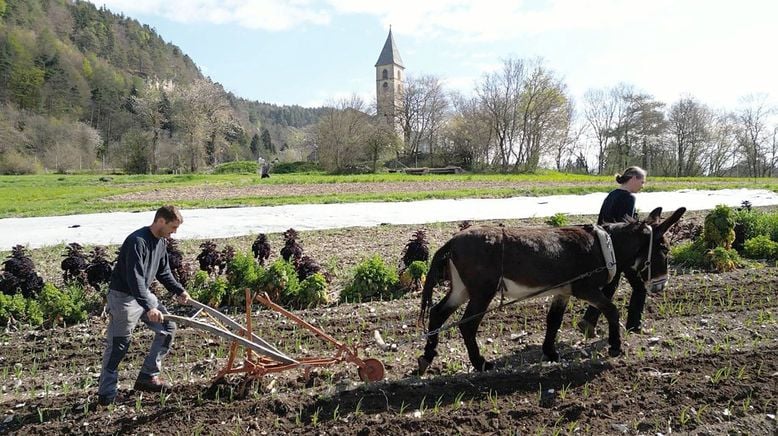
(435, 275)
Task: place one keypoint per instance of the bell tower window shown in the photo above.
(385, 74)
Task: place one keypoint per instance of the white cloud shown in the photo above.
(272, 15)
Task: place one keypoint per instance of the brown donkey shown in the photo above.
(525, 263)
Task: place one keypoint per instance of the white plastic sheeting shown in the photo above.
(112, 228)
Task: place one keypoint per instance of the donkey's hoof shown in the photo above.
(614, 352)
(423, 365)
(554, 357)
(484, 366)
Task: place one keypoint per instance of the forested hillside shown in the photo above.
(83, 88)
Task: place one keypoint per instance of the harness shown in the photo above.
(647, 264)
(606, 245)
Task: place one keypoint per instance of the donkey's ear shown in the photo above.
(662, 228)
(654, 215)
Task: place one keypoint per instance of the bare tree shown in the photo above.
(422, 113)
(468, 136)
(545, 116)
(689, 122)
(600, 111)
(500, 97)
(753, 134)
(201, 113)
(341, 133)
(639, 122)
(381, 140)
(147, 108)
(721, 151)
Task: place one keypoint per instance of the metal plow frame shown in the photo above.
(259, 356)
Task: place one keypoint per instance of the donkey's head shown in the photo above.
(653, 248)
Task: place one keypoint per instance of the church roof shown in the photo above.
(389, 55)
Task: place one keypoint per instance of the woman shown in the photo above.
(618, 206)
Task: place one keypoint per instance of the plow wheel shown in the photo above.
(372, 371)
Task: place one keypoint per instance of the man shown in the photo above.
(142, 258)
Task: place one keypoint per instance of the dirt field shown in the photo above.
(706, 363)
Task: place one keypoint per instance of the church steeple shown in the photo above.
(390, 55)
(389, 82)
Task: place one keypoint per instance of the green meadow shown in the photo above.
(57, 194)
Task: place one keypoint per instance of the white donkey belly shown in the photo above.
(517, 291)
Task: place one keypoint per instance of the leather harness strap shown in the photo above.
(606, 244)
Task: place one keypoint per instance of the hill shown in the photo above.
(84, 88)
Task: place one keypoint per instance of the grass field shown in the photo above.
(56, 194)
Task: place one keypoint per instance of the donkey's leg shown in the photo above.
(553, 322)
(637, 302)
(589, 321)
(439, 313)
(611, 313)
(475, 309)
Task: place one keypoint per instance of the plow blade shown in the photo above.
(236, 327)
(271, 352)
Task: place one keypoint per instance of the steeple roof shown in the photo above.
(389, 55)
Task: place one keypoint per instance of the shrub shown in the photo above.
(373, 280)
(212, 293)
(313, 291)
(242, 273)
(14, 162)
(20, 274)
(746, 223)
(180, 267)
(292, 251)
(719, 229)
(98, 272)
(210, 259)
(417, 248)
(557, 220)
(281, 283)
(295, 167)
(74, 265)
(760, 247)
(690, 254)
(34, 312)
(68, 305)
(722, 259)
(240, 167)
(12, 308)
(418, 269)
(261, 249)
(412, 278)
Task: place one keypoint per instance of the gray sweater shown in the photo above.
(143, 258)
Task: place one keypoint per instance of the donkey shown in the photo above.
(525, 263)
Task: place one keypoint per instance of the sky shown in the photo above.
(315, 52)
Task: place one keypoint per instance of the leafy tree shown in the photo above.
(267, 143)
(255, 146)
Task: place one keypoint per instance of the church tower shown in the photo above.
(389, 82)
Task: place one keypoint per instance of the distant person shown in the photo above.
(142, 258)
(266, 170)
(619, 206)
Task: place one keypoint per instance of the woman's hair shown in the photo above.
(630, 173)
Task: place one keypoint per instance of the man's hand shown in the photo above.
(183, 297)
(154, 315)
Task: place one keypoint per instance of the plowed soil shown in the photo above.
(705, 363)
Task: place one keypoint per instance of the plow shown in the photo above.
(259, 357)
